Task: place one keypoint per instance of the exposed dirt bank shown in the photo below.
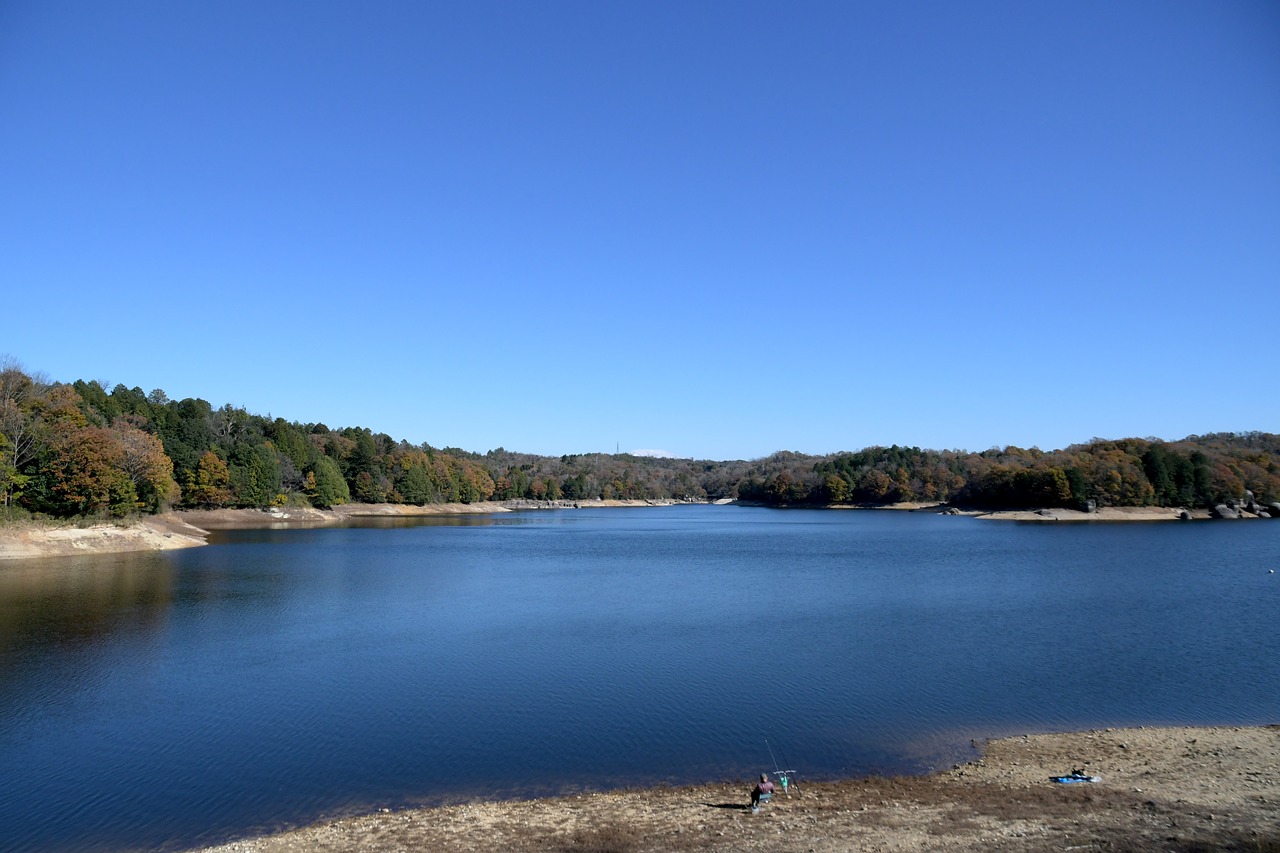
(1109, 513)
(156, 533)
(240, 519)
(1195, 789)
(189, 528)
(231, 519)
(1120, 513)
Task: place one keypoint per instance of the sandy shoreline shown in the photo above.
(156, 533)
(190, 528)
(1107, 514)
(1180, 789)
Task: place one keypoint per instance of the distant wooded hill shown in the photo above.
(78, 449)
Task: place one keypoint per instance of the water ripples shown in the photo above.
(293, 674)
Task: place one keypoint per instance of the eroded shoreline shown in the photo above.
(191, 528)
(1183, 789)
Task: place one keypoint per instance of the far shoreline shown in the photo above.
(190, 528)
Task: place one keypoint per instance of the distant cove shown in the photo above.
(167, 699)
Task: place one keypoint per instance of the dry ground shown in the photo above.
(154, 533)
(1204, 789)
(189, 528)
(1107, 513)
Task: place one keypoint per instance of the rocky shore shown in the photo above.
(1160, 789)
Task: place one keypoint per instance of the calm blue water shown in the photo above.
(168, 700)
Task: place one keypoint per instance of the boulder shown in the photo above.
(1274, 509)
(1262, 513)
(1090, 506)
(1224, 511)
(1184, 514)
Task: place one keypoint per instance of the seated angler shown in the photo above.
(762, 792)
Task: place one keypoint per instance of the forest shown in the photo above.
(78, 449)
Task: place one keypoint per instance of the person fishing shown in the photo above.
(762, 788)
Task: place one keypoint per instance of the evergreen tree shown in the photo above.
(326, 486)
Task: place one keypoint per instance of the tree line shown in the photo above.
(1198, 471)
(79, 449)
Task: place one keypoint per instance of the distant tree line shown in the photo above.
(79, 449)
(1197, 471)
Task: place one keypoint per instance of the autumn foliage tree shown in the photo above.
(79, 448)
(143, 460)
(209, 485)
(81, 464)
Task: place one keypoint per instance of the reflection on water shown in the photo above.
(401, 521)
(73, 600)
(218, 535)
(162, 700)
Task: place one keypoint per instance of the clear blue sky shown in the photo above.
(713, 229)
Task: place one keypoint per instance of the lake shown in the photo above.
(279, 676)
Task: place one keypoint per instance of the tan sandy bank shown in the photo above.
(234, 519)
(189, 528)
(28, 540)
(1161, 789)
(1110, 513)
(1116, 513)
(156, 533)
(240, 519)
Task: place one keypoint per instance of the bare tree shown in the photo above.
(19, 422)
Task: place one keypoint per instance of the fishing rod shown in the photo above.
(784, 776)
